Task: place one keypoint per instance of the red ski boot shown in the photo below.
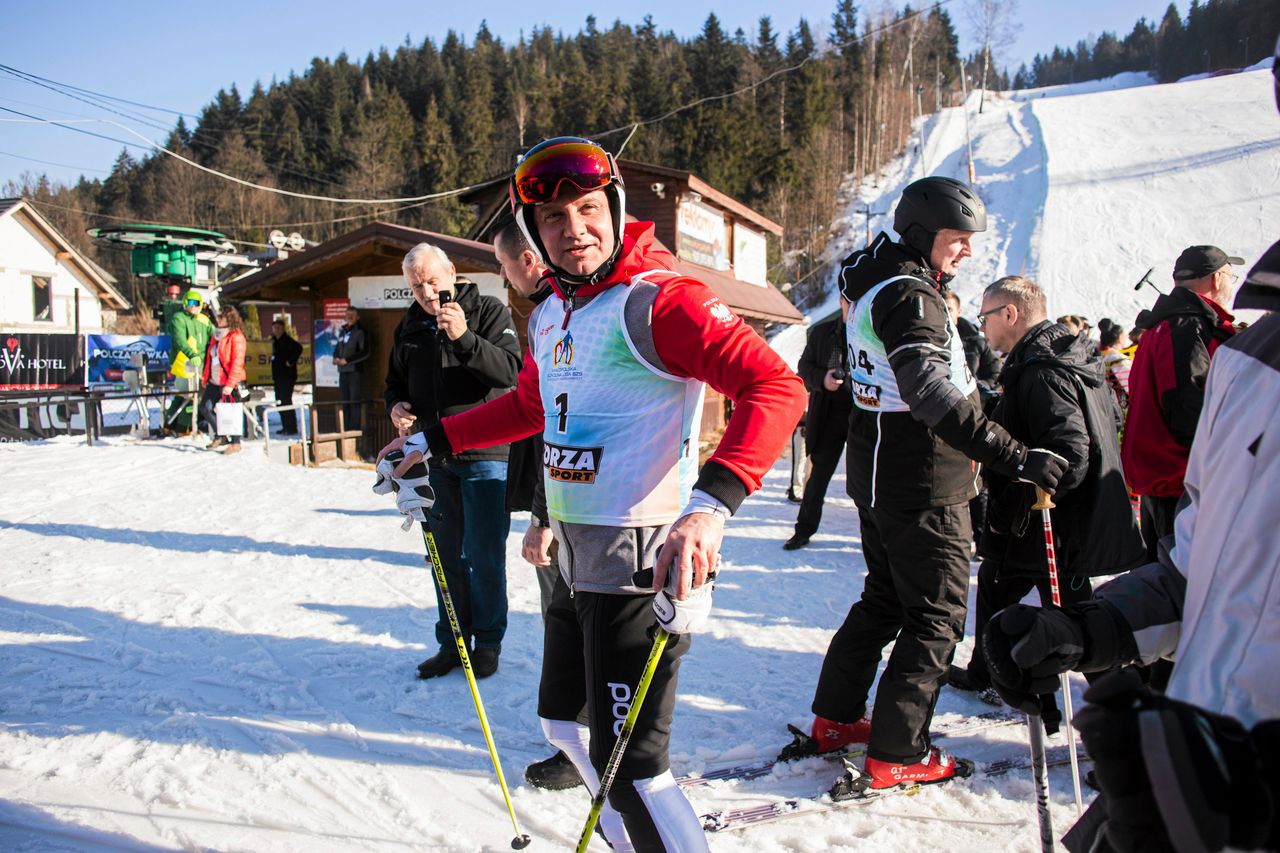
(937, 766)
(831, 735)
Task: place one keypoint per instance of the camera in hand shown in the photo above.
(839, 374)
(446, 296)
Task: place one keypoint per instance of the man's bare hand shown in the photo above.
(830, 382)
(451, 320)
(402, 416)
(692, 550)
(536, 548)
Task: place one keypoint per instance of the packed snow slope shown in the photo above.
(1088, 186)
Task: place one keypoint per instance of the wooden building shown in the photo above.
(363, 267)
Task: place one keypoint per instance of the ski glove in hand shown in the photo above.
(683, 617)
(414, 495)
(1168, 767)
(1027, 648)
(1042, 468)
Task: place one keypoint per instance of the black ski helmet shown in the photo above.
(931, 204)
(538, 176)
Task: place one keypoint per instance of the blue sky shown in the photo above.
(163, 55)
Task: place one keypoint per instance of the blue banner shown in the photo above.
(108, 357)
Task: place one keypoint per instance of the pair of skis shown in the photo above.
(853, 787)
(801, 747)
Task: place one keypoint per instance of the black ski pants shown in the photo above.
(595, 648)
(914, 596)
(824, 459)
(1156, 519)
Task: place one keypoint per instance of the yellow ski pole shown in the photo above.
(521, 840)
(615, 759)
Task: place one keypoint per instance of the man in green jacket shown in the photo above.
(189, 331)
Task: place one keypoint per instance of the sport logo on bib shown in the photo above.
(571, 464)
(866, 396)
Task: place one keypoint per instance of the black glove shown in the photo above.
(1042, 468)
(1027, 648)
(1214, 777)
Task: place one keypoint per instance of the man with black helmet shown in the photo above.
(614, 378)
(916, 436)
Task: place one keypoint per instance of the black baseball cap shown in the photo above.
(1200, 261)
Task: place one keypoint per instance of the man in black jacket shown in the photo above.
(349, 355)
(449, 355)
(826, 422)
(915, 433)
(1055, 396)
(285, 352)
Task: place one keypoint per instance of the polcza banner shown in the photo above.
(109, 356)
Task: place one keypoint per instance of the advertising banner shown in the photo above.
(258, 317)
(700, 235)
(750, 262)
(325, 342)
(40, 416)
(108, 357)
(36, 362)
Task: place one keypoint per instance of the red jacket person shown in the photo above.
(614, 378)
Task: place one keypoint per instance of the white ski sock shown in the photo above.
(677, 823)
(575, 741)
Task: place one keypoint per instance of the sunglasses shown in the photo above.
(193, 303)
(539, 176)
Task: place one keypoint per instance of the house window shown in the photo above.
(42, 298)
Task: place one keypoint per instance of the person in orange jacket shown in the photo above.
(224, 372)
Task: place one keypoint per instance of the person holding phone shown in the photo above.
(453, 350)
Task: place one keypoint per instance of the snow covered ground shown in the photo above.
(201, 652)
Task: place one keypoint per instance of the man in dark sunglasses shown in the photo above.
(618, 359)
(917, 434)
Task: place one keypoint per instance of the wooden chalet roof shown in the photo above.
(378, 238)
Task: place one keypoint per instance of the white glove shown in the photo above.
(413, 492)
(683, 617)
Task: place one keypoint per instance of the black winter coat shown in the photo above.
(924, 457)
(353, 345)
(1056, 397)
(984, 364)
(824, 350)
(439, 377)
(285, 352)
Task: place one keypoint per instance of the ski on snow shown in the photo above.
(756, 769)
(732, 819)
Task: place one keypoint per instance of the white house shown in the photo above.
(45, 282)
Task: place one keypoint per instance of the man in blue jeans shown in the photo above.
(453, 350)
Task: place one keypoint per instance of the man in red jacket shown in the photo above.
(614, 378)
(1166, 384)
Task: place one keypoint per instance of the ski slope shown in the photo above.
(1088, 186)
(216, 653)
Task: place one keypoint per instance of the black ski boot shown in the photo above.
(556, 773)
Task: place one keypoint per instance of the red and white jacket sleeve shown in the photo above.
(698, 336)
